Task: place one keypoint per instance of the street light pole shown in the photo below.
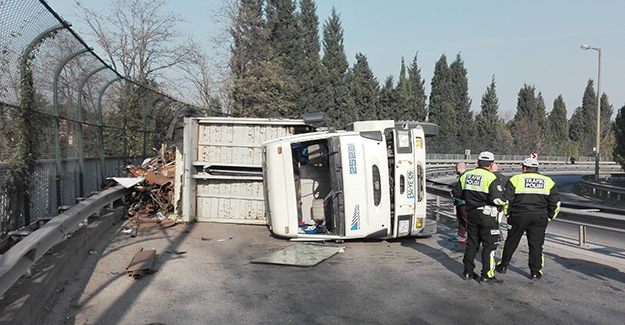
(598, 139)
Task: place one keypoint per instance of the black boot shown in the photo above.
(492, 280)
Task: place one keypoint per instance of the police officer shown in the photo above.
(534, 201)
(483, 192)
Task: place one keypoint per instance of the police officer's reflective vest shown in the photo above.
(477, 188)
(533, 193)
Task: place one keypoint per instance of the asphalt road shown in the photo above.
(205, 277)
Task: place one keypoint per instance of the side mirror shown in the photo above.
(311, 118)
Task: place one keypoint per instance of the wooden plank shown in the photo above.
(141, 263)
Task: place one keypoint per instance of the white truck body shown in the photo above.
(368, 182)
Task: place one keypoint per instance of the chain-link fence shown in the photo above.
(68, 119)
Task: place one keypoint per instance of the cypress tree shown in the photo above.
(606, 116)
(529, 120)
(403, 109)
(461, 100)
(364, 90)
(417, 86)
(441, 110)
(606, 135)
(338, 102)
(310, 74)
(558, 129)
(283, 39)
(487, 122)
(583, 121)
(530, 107)
(541, 113)
(266, 91)
(388, 100)
(248, 50)
(249, 37)
(618, 127)
(576, 125)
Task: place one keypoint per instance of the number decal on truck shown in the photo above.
(351, 154)
(410, 189)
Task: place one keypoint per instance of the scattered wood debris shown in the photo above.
(141, 263)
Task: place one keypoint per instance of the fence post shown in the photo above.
(57, 142)
(102, 162)
(582, 235)
(27, 94)
(81, 154)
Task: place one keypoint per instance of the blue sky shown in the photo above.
(517, 42)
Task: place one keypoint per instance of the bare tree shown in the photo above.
(138, 37)
(200, 72)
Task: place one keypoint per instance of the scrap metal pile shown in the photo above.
(153, 197)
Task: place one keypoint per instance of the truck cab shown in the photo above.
(365, 182)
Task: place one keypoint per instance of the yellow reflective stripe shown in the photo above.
(470, 179)
(523, 184)
(491, 262)
(555, 214)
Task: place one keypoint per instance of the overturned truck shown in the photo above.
(365, 182)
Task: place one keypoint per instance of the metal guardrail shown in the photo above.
(583, 225)
(567, 209)
(445, 167)
(574, 210)
(25, 253)
(588, 182)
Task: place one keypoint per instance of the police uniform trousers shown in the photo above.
(461, 216)
(482, 229)
(534, 226)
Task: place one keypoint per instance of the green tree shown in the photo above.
(337, 100)
(310, 74)
(441, 109)
(583, 121)
(530, 120)
(461, 100)
(417, 86)
(557, 134)
(249, 48)
(487, 122)
(403, 109)
(283, 39)
(558, 127)
(530, 107)
(618, 127)
(265, 91)
(607, 110)
(364, 89)
(387, 100)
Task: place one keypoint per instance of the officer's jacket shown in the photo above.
(479, 187)
(532, 194)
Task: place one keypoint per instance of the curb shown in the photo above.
(24, 301)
